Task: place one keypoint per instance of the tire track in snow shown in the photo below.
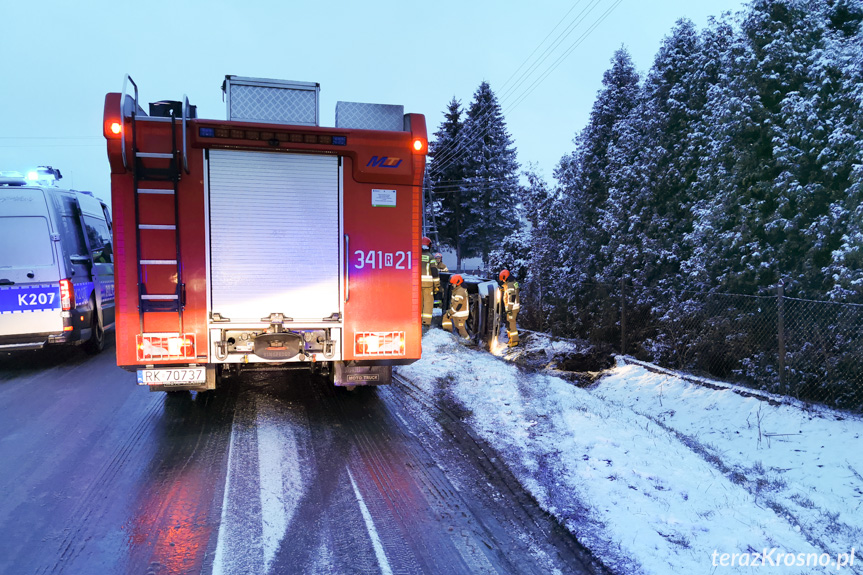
(280, 472)
(264, 459)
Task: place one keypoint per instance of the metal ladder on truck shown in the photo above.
(166, 171)
(429, 219)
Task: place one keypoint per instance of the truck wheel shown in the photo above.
(96, 343)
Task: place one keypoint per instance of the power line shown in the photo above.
(575, 45)
(574, 6)
(469, 187)
(505, 92)
(560, 38)
(460, 150)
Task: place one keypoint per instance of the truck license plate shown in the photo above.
(176, 376)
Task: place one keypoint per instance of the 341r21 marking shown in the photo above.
(379, 260)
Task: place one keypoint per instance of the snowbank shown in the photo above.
(657, 475)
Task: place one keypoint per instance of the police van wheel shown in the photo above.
(96, 343)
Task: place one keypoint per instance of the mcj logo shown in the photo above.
(384, 162)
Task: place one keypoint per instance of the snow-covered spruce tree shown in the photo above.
(724, 236)
(776, 193)
(730, 247)
(782, 132)
(583, 178)
(446, 174)
(787, 41)
(547, 283)
(844, 41)
(728, 129)
(658, 163)
(490, 191)
(816, 145)
(512, 254)
(652, 168)
(740, 164)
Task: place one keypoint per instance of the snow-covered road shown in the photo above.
(656, 474)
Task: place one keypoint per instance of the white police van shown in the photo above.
(56, 264)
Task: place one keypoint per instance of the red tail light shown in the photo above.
(419, 139)
(420, 146)
(112, 126)
(379, 343)
(67, 294)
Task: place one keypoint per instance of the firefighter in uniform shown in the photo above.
(427, 282)
(435, 263)
(440, 265)
(458, 307)
(511, 305)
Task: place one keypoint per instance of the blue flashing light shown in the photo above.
(207, 132)
(340, 140)
(44, 176)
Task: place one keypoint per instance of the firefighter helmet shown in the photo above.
(438, 256)
(426, 241)
(456, 280)
(504, 275)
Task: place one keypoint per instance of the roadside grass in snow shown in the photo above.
(801, 463)
(655, 474)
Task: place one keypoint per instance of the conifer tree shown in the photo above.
(737, 163)
(584, 179)
(490, 191)
(446, 174)
(844, 40)
(802, 66)
(584, 174)
(547, 290)
(730, 133)
(656, 164)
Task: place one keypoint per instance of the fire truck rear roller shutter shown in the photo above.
(274, 221)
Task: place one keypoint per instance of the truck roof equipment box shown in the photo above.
(361, 116)
(272, 101)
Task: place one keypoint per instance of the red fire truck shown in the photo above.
(265, 240)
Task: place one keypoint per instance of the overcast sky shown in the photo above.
(60, 58)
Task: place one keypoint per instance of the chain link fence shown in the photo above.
(806, 349)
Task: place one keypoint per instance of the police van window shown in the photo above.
(25, 241)
(73, 237)
(100, 240)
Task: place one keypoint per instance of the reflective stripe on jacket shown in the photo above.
(510, 295)
(426, 273)
(458, 306)
(435, 273)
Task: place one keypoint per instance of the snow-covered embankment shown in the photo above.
(658, 475)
